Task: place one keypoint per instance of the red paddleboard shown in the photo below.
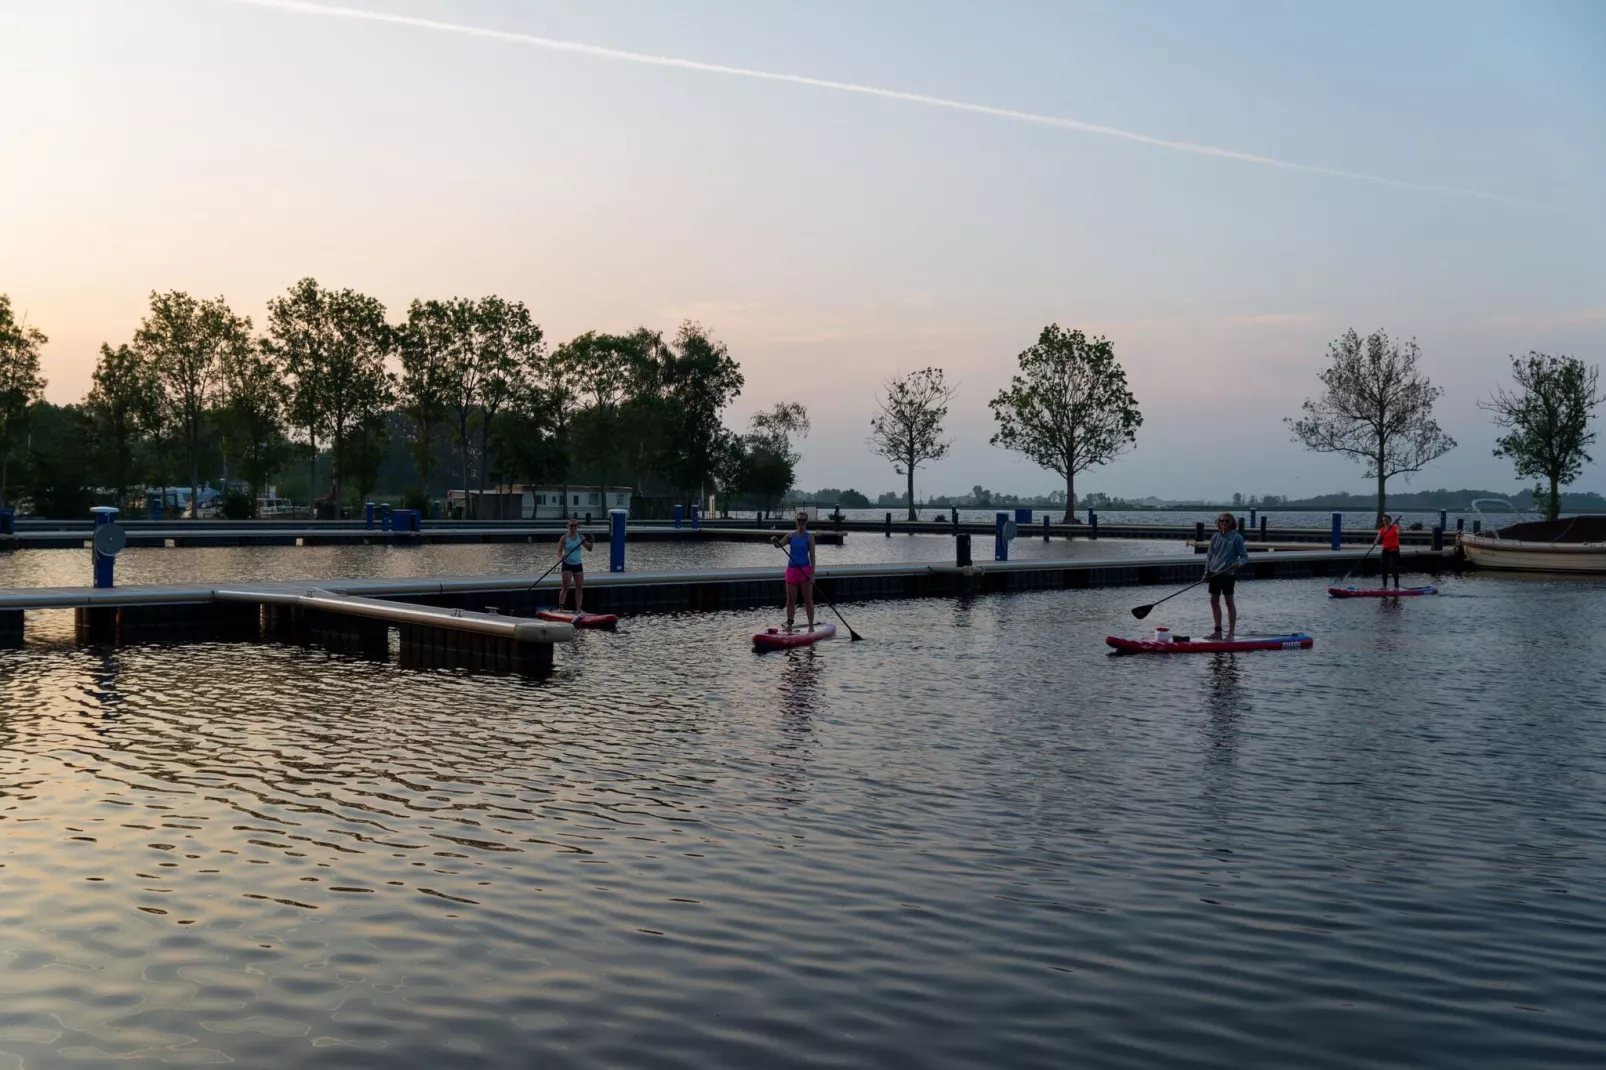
(579, 620)
(1380, 592)
(778, 638)
(1297, 641)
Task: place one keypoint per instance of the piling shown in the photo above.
(1251, 517)
(889, 525)
(1460, 524)
(616, 539)
(1092, 524)
(1338, 531)
(368, 515)
(11, 623)
(1444, 519)
(696, 519)
(103, 563)
(8, 521)
(1263, 529)
(1438, 539)
(962, 550)
(1000, 544)
(677, 516)
(1045, 528)
(1198, 531)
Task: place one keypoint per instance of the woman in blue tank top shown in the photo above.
(799, 568)
(569, 550)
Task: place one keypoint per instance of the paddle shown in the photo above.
(1143, 611)
(853, 635)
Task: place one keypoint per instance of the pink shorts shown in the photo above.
(798, 575)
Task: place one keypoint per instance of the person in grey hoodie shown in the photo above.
(1227, 552)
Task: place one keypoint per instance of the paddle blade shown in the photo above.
(1141, 611)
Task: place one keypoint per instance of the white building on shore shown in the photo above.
(520, 502)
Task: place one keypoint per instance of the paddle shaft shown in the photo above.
(853, 635)
(1143, 611)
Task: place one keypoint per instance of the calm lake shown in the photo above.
(973, 840)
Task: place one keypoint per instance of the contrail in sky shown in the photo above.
(303, 7)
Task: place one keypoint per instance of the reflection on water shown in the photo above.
(971, 840)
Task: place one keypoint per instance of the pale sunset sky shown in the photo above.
(1451, 164)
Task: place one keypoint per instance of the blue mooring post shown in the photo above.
(696, 520)
(677, 516)
(1460, 523)
(616, 539)
(1251, 516)
(1338, 530)
(1092, 524)
(953, 512)
(384, 517)
(435, 511)
(154, 508)
(1438, 540)
(889, 525)
(368, 515)
(1045, 527)
(103, 514)
(1000, 544)
(1444, 519)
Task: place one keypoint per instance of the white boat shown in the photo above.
(1571, 544)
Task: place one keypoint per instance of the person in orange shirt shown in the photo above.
(1389, 534)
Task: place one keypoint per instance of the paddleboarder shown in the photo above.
(799, 568)
(1227, 552)
(1389, 535)
(569, 549)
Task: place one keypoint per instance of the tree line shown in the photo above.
(1069, 409)
(332, 377)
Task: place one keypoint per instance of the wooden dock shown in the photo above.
(189, 613)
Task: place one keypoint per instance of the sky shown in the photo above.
(1220, 189)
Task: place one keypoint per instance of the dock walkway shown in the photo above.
(187, 613)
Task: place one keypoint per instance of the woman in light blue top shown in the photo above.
(569, 549)
(1227, 552)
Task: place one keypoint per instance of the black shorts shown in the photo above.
(573, 568)
(1223, 584)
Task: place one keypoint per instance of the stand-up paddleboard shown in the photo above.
(1380, 592)
(1297, 641)
(579, 620)
(780, 638)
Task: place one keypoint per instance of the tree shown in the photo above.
(123, 406)
(1547, 420)
(769, 463)
(357, 387)
(333, 345)
(252, 417)
(1069, 409)
(186, 341)
(507, 347)
(698, 379)
(1377, 407)
(21, 385)
(908, 428)
(56, 471)
(425, 344)
(365, 453)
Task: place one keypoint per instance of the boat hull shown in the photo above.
(1518, 556)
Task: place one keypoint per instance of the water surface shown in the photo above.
(971, 840)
